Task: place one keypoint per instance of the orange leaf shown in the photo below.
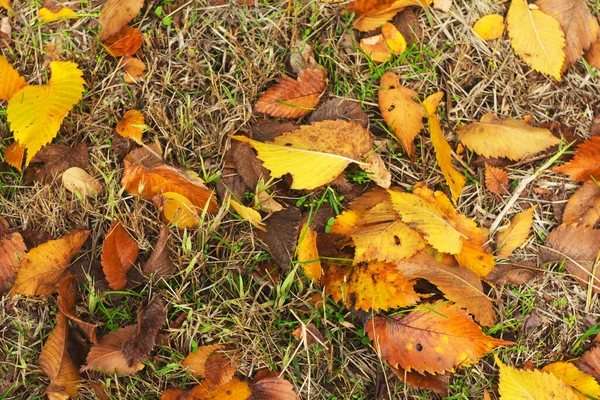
(437, 383)
(477, 258)
(57, 363)
(133, 69)
(12, 248)
(236, 389)
(307, 252)
(583, 207)
(496, 179)
(67, 293)
(132, 126)
(43, 267)
(371, 14)
(146, 175)
(585, 166)
(433, 339)
(10, 80)
(119, 252)
(272, 387)
(126, 42)
(14, 154)
(107, 356)
(292, 98)
(212, 363)
(115, 14)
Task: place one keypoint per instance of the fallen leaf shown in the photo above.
(579, 247)
(160, 264)
(281, 235)
(267, 203)
(67, 293)
(213, 363)
(592, 55)
(150, 320)
(57, 363)
(382, 47)
(400, 111)
(44, 266)
(6, 5)
(510, 138)
(248, 214)
(126, 42)
(533, 384)
(177, 210)
(11, 81)
(375, 285)
(537, 38)
(46, 15)
(433, 339)
(119, 252)
(272, 387)
(294, 98)
(584, 166)
(489, 27)
(373, 14)
(437, 383)
(514, 274)
(442, 5)
(307, 253)
(515, 234)
(583, 207)
(496, 180)
(340, 108)
(55, 159)
(12, 248)
(14, 154)
(134, 69)
(589, 362)
(309, 333)
(579, 26)
(236, 389)
(477, 258)
(36, 113)
(583, 383)
(80, 183)
(115, 14)
(132, 126)
(145, 175)
(314, 154)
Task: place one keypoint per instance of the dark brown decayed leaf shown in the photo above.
(160, 264)
(117, 13)
(119, 252)
(12, 247)
(583, 207)
(33, 238)
(67, 293)
(496, 179)
(241, 171)
(579, 246)
(437, 383)
(281, 234)
(408, 25)
(515, 274)
(55, 159)
(150, 321)
(340, 108)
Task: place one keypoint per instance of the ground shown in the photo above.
(202, 80)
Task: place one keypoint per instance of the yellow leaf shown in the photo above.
(10, 80)
(308, 255)
(537, 38)
(518, 384)
(132, 126)
(489, 27)
(400, 111)
(516, 233)
(510, 138)
(248, 214)
(574, 377)
(476, 258)
(383, 46)
(36, 112)
(314, 154)
(179, 211)
(6, 5)
(48, 16)
(345, 222)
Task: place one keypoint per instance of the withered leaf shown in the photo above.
(214, 363)
(340, 108)
(310, 332)
(496, 180)
(56, 159)
(583, 207)
(150, 320)
(515, 274)
(119, 252)
(126, 42)
(241, 171)
(67, 293)
(589, 362)
(408, 25)
(117, 13)
(584, 166)
(281, 234)
(269, 386)
(160, 264)
(12, 248)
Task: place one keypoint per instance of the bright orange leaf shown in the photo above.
(584, 166)
(496, 179)
(134, 69)
(213, 363)
(14, 154)
(132, 126)
(119, 252)
(126, 42)
(10, 80)
(12, 248)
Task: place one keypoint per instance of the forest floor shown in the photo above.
(205, 69)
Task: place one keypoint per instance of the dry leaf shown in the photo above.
(585, 165)
(177, 210)
(115, 14)
(267, 203)
(382, 47)
(248, 214)
(567, 372)
(64, 13)
(589, 362)
(67, 293)
(132, 126)
(583, 207)
(294, 98)
(6, 5)
(160, 264)
(489, 27)
(79, 182)
(213, 363)
(434, 339)
(12, 248)
(514, 274)
(307, 253)
(496, 179)
(126, 42)
(119, 252)
(442, 5)
(14, 154)
(10, 80)
(510, 138)
(373, 14)
(537, 38)
(340, 108)
(236, 389)
(281, 235)
(310, 333)
(438, 383)
(592, 55)
(150, 320)
(55, 160)
(44, 266)
(134, 69)
(272, 387)
(515, 234)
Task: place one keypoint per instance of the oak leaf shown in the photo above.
(314, 154)
(119, 252)
(294, 98)
(489, 27)
(177, 210)
(80, 183)
(248, 214)
(532, 384)
(435, 338)
(585, 384)
(400, 111)
(115, 14)
(213, 363)
(44, 266)
(510, 138)
(515, 234)
(12, 248)
(537, 38)
(132, 126)
(36, 113)
(375, 285)
(382, 47)
(160, 264)
(47, 15)
(126, 42)
(308, 254)
(496, 179)
(583, 207)
(585, 165)
(10, 80)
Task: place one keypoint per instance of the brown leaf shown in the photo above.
(12, 248)
(126, 42)
(580, 27)
(589, 362)
(177, 394)
(133, 69)
(67, 293)
(408, 25)
(438, 383)
(57, 363)
(241, 171)
(150, 321)
(213, 363)
(293, 98)
(272, 387)
(496, 180)
(107, 356)
(583, 207)
(592, 55)
(160, 264)
(579, 247)
(281, 235)
(311, 332)
(119, 252)
(585, 165)
(99, 390)
(5, 33)
(340, 108)
(56, 159)
(515, 274)
(44, 266)
(34, 237)
(117, 13)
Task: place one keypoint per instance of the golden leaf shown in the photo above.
(515, 234)
(248, 214)
(496, 179)
(10, 80)
(47, 15)
(132, 126)
(308, 254)
(382, 47)
(489, 27)
(117, 13)
(574, 377)
(178, 210)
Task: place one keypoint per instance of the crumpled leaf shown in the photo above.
(44, 266)
(308, 254)
(35, 113)
(132, 126)
(400, 111)
(314, 154)
(281, 235)
(115, 14)
(489, 27)
(516, 234)
(574, 377)
(435, 338)
(12, 248)
(213, 363)
(382, 47)
(248, 214)
(584, 166)
(119, 252)
(160, 264)
(126, 42)
(496, 179)
(10, 80)
(583, 207)
(79, 182)
(510, 138)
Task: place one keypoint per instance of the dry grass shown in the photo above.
(202, 81)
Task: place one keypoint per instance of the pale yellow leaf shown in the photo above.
(78, 181)
(516, 233)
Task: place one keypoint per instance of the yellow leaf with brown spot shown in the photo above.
(515, 234)
(476, 257)
(308, 255)
(489, 27)
(248, 214)
(10, 80)
(132, 126)
(574, 377)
